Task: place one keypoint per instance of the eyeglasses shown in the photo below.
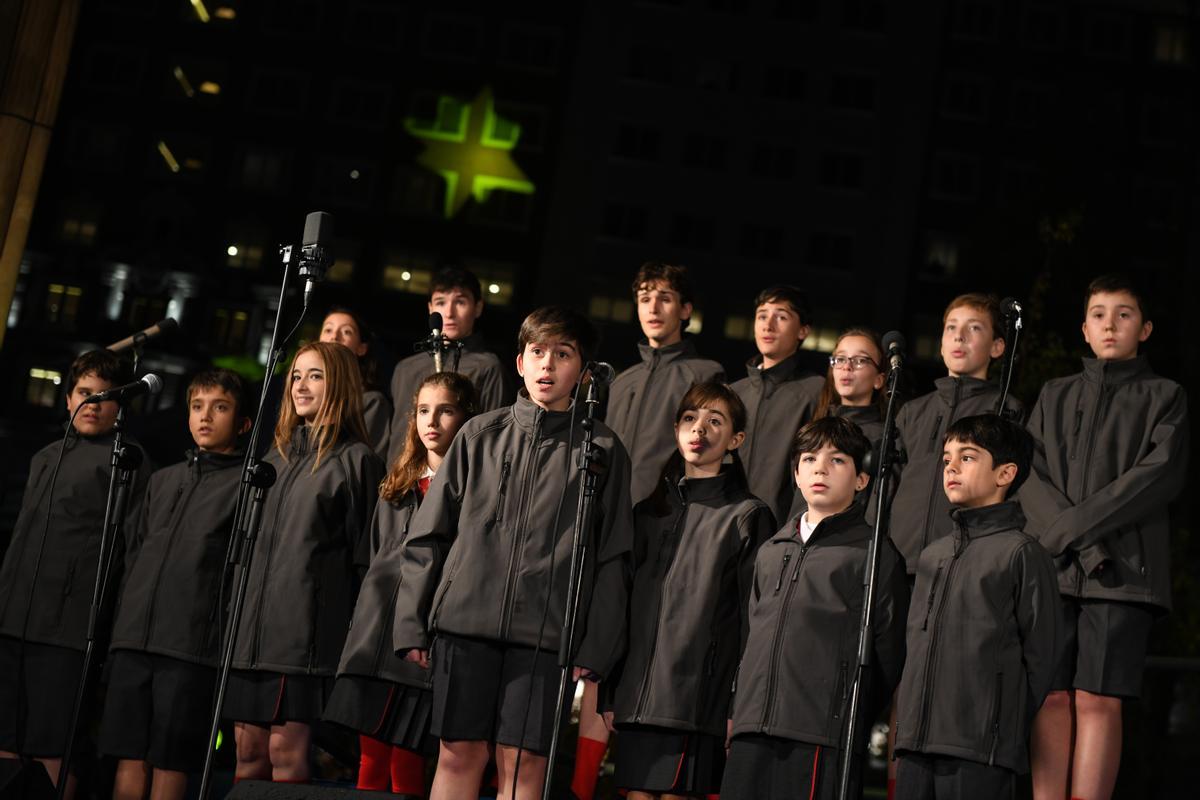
(854, 362)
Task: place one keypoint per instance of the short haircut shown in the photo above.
(107, 366)
(988, 303)
(1113, 283)
(558, 323)
(840, 432)
(449, 278)
(224, 379)
(791, 295)
(675, 276)
(704, 395)
(1006, 442)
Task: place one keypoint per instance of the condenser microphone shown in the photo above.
(147, 384)
(602, 372)
(893, 346)
(435, 339)
(160, 328)
(316, 250)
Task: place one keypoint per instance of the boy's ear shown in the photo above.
(1006, 474)
(521, 364)
(735, 442)
(244, 428)
(685, 311)
(1147, 329)
(478, 309)
(803, 333)
(861, 481)
(997, 348)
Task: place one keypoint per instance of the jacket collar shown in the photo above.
(830, 526)
(858, 414)
(205, 461)
(785, 370)
(1110, 373)
(698, 490)
(529, 415)
(665, 355)
(949, 387)
(977, 522)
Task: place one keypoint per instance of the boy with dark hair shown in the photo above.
(779, 394)
(792, 687)
(456, 295)
(1112, 449)
(983, 630)
(972, 336)
(49, 571)
(486, 560)
(642, 400)
(166, 637)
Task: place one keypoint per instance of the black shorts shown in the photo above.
(770, 768)
(390, 712)
(38, 684)
(273, 698)
(157, 709)
(482, 692)
(659, 760)
(1105, 647)
(923, 777)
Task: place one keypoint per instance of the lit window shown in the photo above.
(1171, 44)
(244, 256)
(406, 279)
(210, 87)
(695, 322)
(62, 304)
(941, 257)
(739, 329)
(616, 309)
(79, 230)
(43, 387)
(341, 271)
(820, 339)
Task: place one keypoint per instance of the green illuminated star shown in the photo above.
(469, 146)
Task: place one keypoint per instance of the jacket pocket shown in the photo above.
(501, 492)
(933, 585)
(840, 690)
(997, 703)
(934, 437)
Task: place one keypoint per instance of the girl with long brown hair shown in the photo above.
(302, 574)
(377, 693)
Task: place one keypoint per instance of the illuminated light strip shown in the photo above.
(168, 156)
(201, 11)
(184, 82)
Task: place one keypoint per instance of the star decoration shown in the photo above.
(470, 147)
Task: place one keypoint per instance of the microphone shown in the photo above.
(315, 253)
(893, 346)
(435, 338)
(1011, 307)
(148, 384)
(168, 325)
(602, 372)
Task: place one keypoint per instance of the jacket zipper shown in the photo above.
(932, 594)
(839, 691)
(923, 728)
(782, 571)
(997, 696)
(514, 557)
(181, 502)
(641, 398)
(1078, 427)
(500, 493)
(936, 485)
(642, 692)
(773, 668)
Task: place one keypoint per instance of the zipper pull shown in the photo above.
(937, 427)
(782, 571)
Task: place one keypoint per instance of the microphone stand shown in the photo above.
(125, 461)
(589, 459)
(883, 477)
(437, 346)
(257, 477)
(1010, 360)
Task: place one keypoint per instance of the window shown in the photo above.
(1164, 120)
(1160, 203)
(625, 221)
(404, 278)
(783, 83)
(79, 226)
(1172, 44)
(648, 63)
(277, 92)
(62, 305)
(842, 171)
(693, 232)
(713, 75)
(244, 256)
(1107, 36)
(360, 104)
(1029, 104)
(531, 48)
(616, 309)
(831, 250)
(705, 152)
(773, 160)
(955, 177)
(941, 256)
(114, 69)
(142, 312)
(97, 146)
(42, 389)
(1042, 24)
(532, 121)
(346, 181)
(963, 97)
(740, 329)
(504, 210)
(454, 38)
(821, 339)
(761, 241)
(293, 17)
(177, 154)
(636, 142)
(230, 329)
(263, 170)
(374, 25)
(1018, 181)
(795, 10)
(852, 92)
(868, 16)
(974, 21)
(418, 192)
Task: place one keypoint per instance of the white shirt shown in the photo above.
(806, 530)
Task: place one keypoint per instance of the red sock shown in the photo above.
(408, 772)
(588, 755)
(373, 764)
(891, 789)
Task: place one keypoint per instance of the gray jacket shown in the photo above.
(1112, 451)
(492, 539)
(642, 404)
